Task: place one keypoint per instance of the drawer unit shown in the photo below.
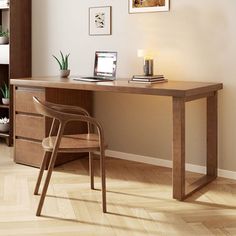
(32, 127)
(28, 152)
(24, 99)
(29, 126)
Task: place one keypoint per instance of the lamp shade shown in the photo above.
(145, 53)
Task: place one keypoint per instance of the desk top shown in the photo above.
(170, 88)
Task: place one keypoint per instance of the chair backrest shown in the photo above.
(43, 109)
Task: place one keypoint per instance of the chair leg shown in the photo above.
(42, 168)
(91, 170)
(47, 180)
(50, 168)
(103, 179)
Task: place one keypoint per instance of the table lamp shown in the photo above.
(147, 56)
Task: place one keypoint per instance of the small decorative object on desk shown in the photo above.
(4, 36)
(148, 79)
(4, 125)
(148, 60)
(5, 94)
(148, 67)
(63, 64)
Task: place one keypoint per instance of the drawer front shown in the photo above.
(32, 127)
(28, 152)
(24, 99)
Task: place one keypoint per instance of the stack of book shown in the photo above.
(148, 79)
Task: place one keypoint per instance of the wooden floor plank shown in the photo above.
(139, 202)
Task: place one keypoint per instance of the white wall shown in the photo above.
(194, 41)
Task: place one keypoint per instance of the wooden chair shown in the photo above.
(88, 142)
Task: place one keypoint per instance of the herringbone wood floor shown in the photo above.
(139, 202)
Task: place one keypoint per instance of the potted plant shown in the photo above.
(5, 94)
(4, 125)
(4, 36)
(63, 64)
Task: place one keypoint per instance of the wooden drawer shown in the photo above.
(24, 99)
(32, 127)
(28, 152)
(31, 153)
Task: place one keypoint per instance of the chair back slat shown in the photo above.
(45, 110)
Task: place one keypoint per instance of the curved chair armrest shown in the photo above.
(65, 114)
(68, 117)
(67, 108)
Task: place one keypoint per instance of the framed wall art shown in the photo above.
(138, 6)
(100, 20)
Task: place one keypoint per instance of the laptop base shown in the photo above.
(93, 79)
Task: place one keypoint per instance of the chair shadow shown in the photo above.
(191, 200)
(100, 224)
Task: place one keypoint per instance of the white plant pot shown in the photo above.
(5, 101)
(64, 73)
(4, 40)
(4, 128)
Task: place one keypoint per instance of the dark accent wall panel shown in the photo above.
(20, 40)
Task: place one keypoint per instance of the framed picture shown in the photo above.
(137, 6)
(100, 20)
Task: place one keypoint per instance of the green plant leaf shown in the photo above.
(67, 61)
(3, 33)
(63, 61)
(5, 91)
(58, 62)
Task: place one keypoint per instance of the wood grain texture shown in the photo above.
(88, 142)
(70, 143)
(138, 197)
(170, 88)
(24, 99)
(79, 98)
(31, 127)
(20, 40)
(212, 136)
(178, 148)
(28, 152)
(59, 90)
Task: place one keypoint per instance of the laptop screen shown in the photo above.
(105, 64)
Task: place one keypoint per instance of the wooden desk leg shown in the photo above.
(178, 148)
(212, 162)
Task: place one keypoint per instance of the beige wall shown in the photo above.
(194, 41)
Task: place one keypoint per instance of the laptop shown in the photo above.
(104, 67)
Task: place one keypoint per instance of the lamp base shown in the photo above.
(148, 67)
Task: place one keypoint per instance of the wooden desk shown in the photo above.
(181, 93)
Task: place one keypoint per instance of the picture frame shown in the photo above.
(100, 20)
(142, 6)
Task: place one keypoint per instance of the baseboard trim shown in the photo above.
(166, 163)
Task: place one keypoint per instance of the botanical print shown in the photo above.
(148, 3)
(100, 20)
